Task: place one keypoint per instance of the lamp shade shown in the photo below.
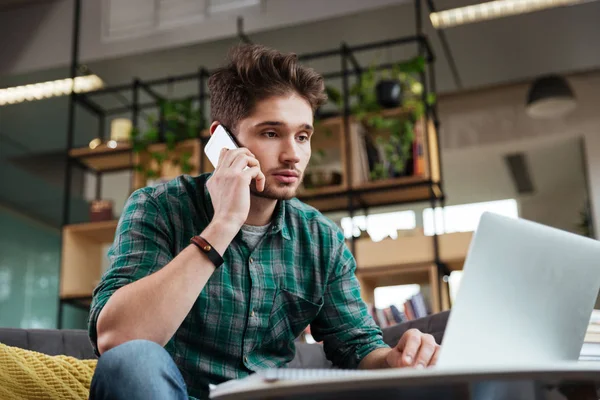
(120, 129)
(550, 96)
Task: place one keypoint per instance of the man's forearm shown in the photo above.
(154, 307)
(376, 359)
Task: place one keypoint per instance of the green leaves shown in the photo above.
(431, 99)
(334, 96)
(179, 120)
(413, 66)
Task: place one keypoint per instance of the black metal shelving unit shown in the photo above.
(349, 67)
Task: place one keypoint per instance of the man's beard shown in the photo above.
(277, 190)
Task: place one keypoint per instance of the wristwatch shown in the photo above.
(205, 247)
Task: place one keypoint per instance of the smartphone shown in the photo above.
(220, 139)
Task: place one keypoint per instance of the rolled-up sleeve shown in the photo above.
(141, 246)
(344, 324)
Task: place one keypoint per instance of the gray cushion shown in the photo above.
(69, 342)
(76, 343)
(434, 325)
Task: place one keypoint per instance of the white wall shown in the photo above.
(39, 36)
(484, 118)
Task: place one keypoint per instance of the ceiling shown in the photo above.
(521, 47)
(505, 50)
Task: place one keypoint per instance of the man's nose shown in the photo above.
(290, 152)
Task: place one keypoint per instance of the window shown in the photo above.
(386, 296)
(379, 226)
(139, 18)
(220, 6)
(465, 217)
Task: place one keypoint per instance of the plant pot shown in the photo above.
(101, 210)
(322, 178)
(389, 93)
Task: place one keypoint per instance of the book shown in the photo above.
(398, 316)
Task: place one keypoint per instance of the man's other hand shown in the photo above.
(415, 349)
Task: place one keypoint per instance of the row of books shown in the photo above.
(413, 308)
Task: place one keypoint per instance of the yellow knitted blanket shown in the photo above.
(29, 375)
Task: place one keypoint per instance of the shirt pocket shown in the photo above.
(290, 315)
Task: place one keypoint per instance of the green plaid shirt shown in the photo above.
(257, 303)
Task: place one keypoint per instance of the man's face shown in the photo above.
(278, 133)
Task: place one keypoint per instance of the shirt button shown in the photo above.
(245, 359)
(252, 313)
(251, 260)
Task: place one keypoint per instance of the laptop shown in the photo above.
(525, 297)
(523, 307)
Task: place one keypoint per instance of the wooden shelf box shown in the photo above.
(412, 250)
(168, 170)
(82, 254)
(410, 260)
(424, 275)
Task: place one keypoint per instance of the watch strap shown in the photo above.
(205, 247)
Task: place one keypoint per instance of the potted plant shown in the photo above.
(177, 121)
(375, 90)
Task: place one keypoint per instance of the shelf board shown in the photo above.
(390, 256)
(78, 299)
(399, 190)
(370, 194)
(101, 232)
(326, 190)
(103, 158)
(400, 275)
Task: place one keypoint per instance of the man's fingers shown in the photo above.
(436, 355)
(260, 181)
(221, 159)
(228, 156)
(409, 345)
(256, 174)
(426, 351)
(242, 161)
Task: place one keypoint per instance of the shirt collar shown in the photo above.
(278, 222)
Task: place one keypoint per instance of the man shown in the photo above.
(169, 319)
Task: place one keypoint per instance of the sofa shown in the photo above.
(75, 343)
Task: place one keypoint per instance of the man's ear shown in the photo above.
(213, 126)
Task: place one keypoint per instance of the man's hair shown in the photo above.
(254, 73)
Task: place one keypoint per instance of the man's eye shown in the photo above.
(270, 134)
(303, 138)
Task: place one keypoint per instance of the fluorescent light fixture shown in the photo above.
(45, 90)
(493, 9)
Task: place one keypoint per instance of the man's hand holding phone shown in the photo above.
(229, 186)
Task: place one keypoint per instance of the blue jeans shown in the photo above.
(139, 369)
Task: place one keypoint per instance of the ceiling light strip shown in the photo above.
(493, 9)
(45, 90)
